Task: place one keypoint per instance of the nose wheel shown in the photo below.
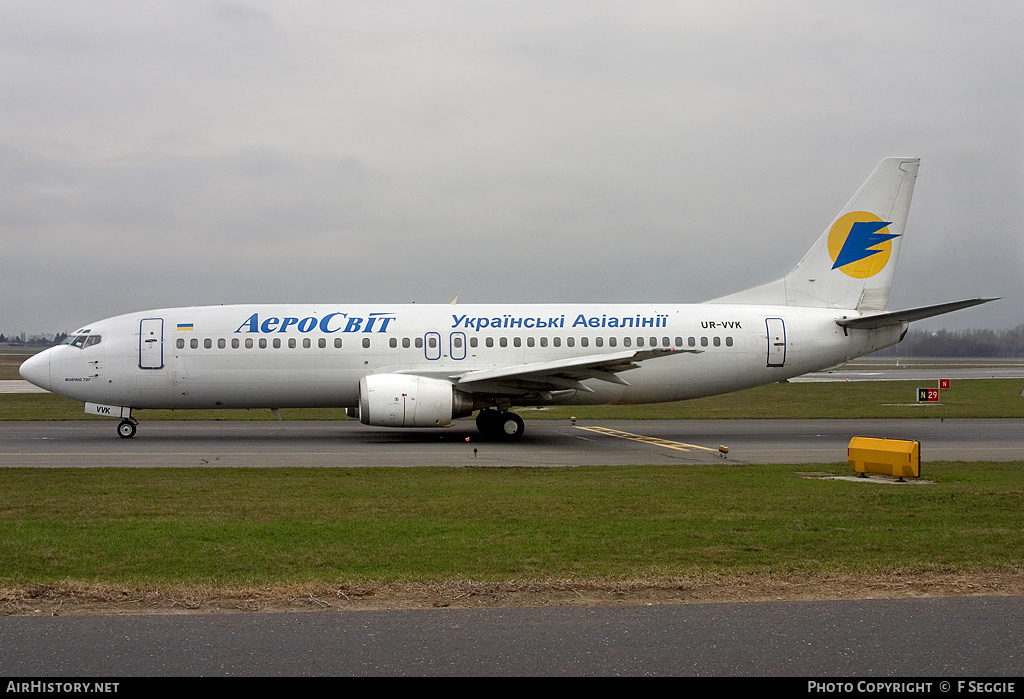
(126, 429)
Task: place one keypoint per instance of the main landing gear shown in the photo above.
(126, 428)
(500, 425)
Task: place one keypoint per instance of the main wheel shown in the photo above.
(511, 426)
(126, 429)
(487, 422)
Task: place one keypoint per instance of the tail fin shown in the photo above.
(852, 264)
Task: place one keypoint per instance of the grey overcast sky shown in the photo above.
(187, 152)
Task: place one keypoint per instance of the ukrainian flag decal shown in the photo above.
(860, 244)
(185, 326)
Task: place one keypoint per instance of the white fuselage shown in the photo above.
(277, 356)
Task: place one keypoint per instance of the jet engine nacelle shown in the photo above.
(402, 400)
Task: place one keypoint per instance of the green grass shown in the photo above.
(47, 406)
(10, 359)
(976, 398)
(285, 526)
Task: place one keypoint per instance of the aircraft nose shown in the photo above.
(36, 370)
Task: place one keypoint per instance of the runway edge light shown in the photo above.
(891, 457)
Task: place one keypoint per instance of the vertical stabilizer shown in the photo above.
(852, 263)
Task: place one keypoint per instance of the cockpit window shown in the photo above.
(82, 341)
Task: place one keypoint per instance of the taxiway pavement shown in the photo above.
(548, 443)
(936, 640)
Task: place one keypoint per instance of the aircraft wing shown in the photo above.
(560, 374)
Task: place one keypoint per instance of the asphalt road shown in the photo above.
(879, 639)
(547, 443)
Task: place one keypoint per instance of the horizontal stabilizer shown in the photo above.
(882, 320)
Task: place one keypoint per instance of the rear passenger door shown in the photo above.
(776, 341)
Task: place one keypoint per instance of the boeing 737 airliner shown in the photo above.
(425, 365)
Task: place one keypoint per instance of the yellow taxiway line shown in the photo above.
(654, 441)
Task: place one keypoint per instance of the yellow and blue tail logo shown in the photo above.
(860, 244)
